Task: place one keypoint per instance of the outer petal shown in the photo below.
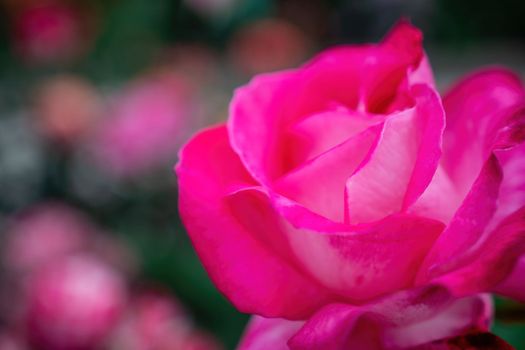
(472, 107)
(403, 163)
(268, 333)
(514, 285)
(407, 319)
(471, 341)
(470, 220)
(488, 262)
(401, 321)
(358, 263)
(499, 189)
(253, 277)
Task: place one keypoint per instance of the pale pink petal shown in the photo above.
(440, 199)
(268, 333)
(329, 172)
(321, 132)
(253, 277)
(403, 163)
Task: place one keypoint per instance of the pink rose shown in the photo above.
(336, 199)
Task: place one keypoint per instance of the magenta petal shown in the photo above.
(357, 262)
(469, 222)
(488, 262)
(403, 320)
(407, 39)
(473, 107)
(514, 285)
(512, 190)
(268, 333)
(256, 113)
(402, 164)
(252, 276)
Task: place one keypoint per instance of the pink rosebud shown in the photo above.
(145, 127)
(73, 304)
(45, 233)
(349, 206)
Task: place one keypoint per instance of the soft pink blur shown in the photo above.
(66, 286)
(67, 108)
(267, 45)
(346, 202)
(158, 322)
(50, 32)
(145, 126)
(73, 304)
(46, 232)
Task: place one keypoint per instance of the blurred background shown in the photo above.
(96, 97)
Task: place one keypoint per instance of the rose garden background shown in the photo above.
(96, 97)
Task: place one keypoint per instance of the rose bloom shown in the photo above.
(350, 207)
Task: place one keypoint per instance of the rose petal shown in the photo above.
(268, 333)
(329, 173)
(363, 78)
(253, 277)
(323, 131)
(470, 220)
(514, 285)
(358, 264)
(403, 320)
(488, 262)
(403, 163)
(470, 341)
(472, 107)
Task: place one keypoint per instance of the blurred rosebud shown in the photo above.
(147, 125)
(50, 32)
(158, 322)
(45, 233)
(10, 341)
(267, 45)
(73, 304)
(67, 107)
